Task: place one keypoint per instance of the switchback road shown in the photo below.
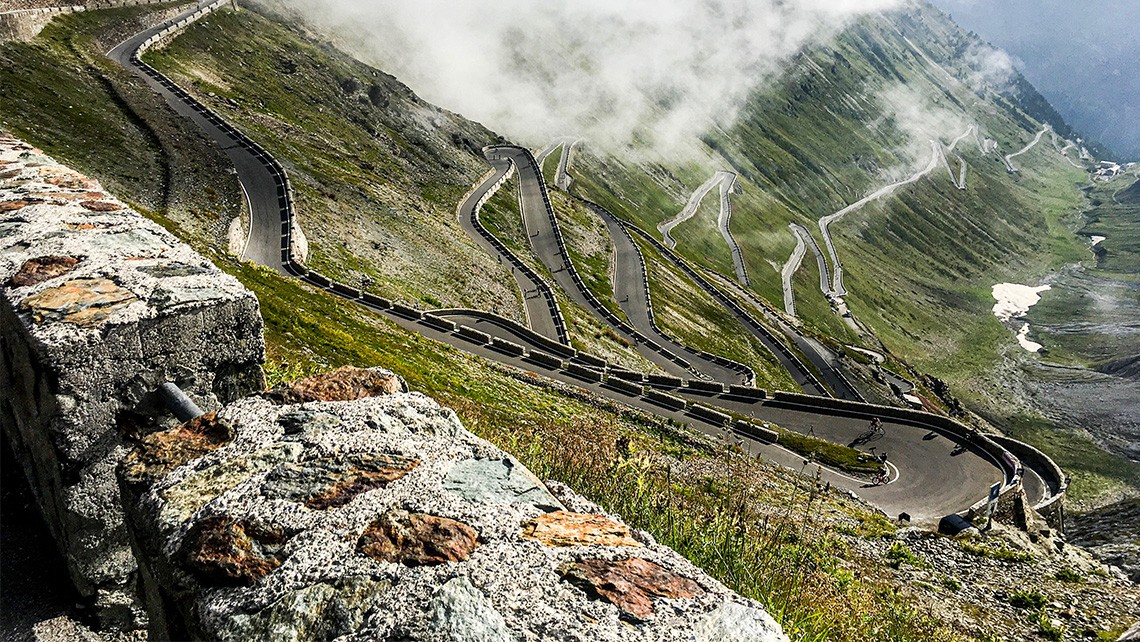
(935, 473)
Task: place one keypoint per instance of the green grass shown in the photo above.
(1069, 576)
(685, 311)
(590, 247)
(1001, 553)
(377, 187)
(900, 554)
(827, 453)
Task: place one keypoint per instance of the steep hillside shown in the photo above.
(983, 197)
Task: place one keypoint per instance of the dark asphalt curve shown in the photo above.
(542, 312)
(544, 236)
(934, 476)
(253, 170)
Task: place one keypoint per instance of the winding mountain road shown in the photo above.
(690, 209)
(803, 237)
(542, 311)
(935, 474)
(790, 268)
(723, 222)
(837, 289)
(1009, 166)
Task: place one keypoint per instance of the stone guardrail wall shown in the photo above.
(1052, 508)
(100, 306)
(340, 506)
(22, 20)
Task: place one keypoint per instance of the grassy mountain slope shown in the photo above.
(858, 113)
(378, 172)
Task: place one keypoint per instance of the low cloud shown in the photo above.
(614, 71)
(989, 68)
(919, 119)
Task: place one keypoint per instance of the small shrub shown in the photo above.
(1031, 600)
(900, 553)
(951, 584)
(1048, 629)
(1069, 575)
(1003, 554)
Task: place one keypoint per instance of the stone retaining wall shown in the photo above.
(376, 515)
(23, 20)
(100, 306)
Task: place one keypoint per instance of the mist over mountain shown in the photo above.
(1082, 57)
(615, 72)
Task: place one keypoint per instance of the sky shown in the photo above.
(1084, 57)
(659, 73)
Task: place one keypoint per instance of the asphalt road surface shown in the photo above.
(539, 306)
(264, 246)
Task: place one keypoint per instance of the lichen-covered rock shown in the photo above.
(343, 384)
(99, 306)
(382, 518)
(332, 482)
(417, 539)
(629, 584)
(224, 551)
(40, 269)
(562, 528)
(159, 452)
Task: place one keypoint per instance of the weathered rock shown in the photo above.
(417, 539)
(460, 613)
(629, 584)
(160, 452)
(343, 384)
(223, 551)
(562, 528)
(100, 206)
(734, 622)
(80, 360)
(330, 482)
(421, 557)
(323, 611)
(40, 269)
(84, 302)
(498, 480)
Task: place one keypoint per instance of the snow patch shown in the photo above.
(1023, 339)
(1014, 300)
(1097, 239)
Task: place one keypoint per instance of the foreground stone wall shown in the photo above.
(344, 508)
(99, 307)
